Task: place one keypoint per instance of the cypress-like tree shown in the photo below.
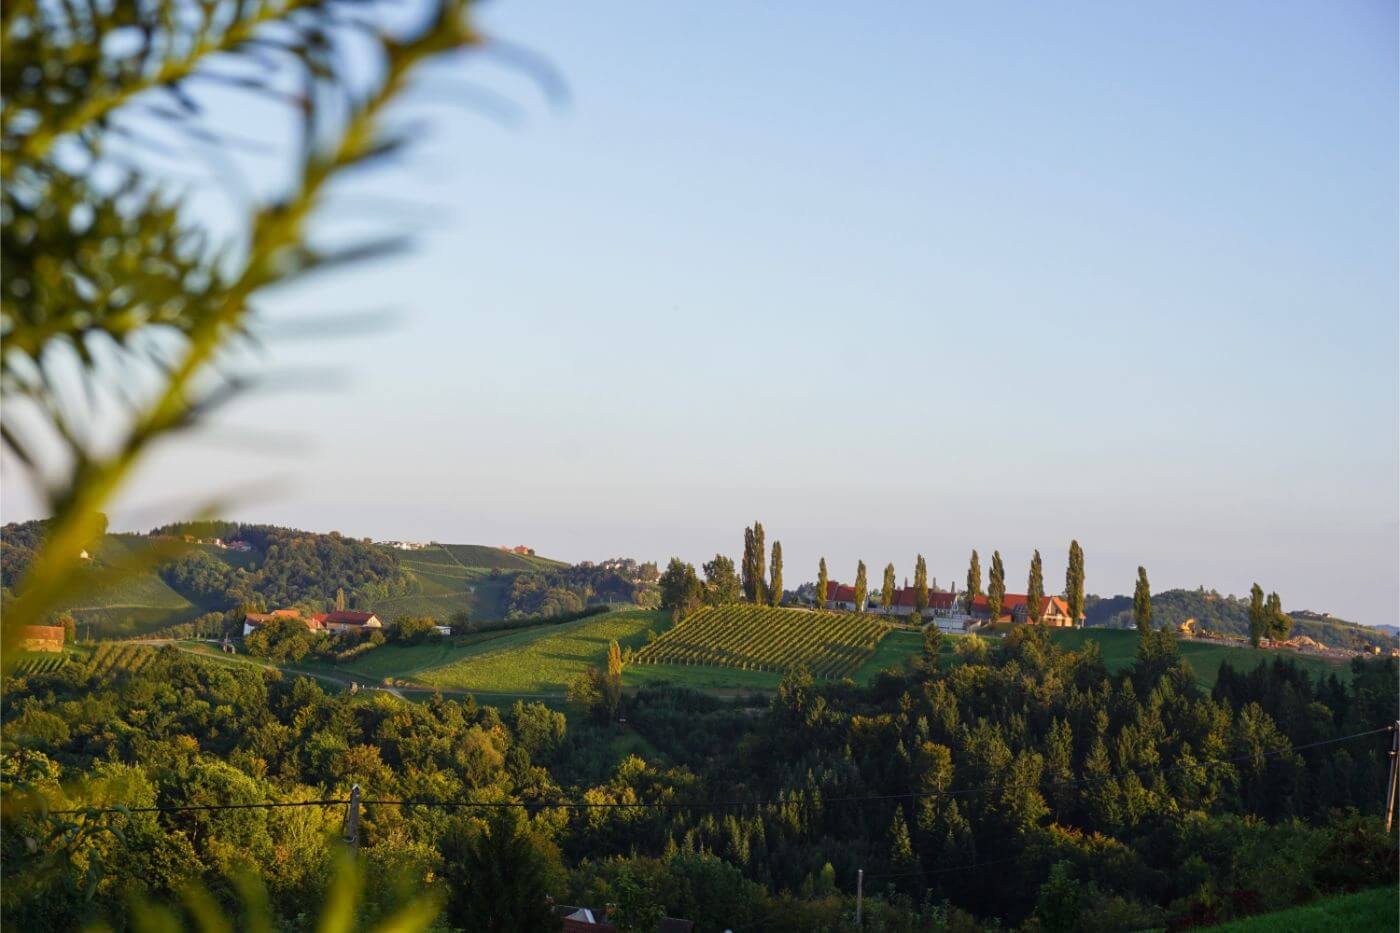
(996, 586)
(1277, 622)
(612, 685)
(760, 557)
(1035, 591)
(746, 568)
(1074, 582)
(887, 589)
(861, 586)
(339, 599)
(777, 573)
(920, 584)
(1142, 603)
(1258, 622)
(974, 580)
(821, 584)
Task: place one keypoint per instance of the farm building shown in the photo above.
(336, 623)
(42, 638)
(1054, 611)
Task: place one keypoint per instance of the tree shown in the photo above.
(996, 587)
(497, 876)
(721, 582)
(1057, 906)
(933, 646)
(1258, 620)
(974, 580)
(411, 630)
(760, 573)
(1035, 591)
(1142, 603)
(340, 599)
(776, 584)
(822, 584)
(1277, 622)
(746, 571)
(612, 682)
(680, 588)
(920, 585)
(861, 586)
(1074, 582)
(70, 627)
(887, 589)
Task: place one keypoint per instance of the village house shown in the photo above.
(949, 609)
(42, 638)
(334, 623)
(1054, 611)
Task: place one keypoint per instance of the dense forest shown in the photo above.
(1018, 782)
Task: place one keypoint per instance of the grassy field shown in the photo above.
(1376, 909)
(761, 638)
(543, 659)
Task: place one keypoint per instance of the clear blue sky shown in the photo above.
(888, 277)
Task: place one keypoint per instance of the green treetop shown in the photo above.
(887, 589)
(822, 582)
(776, 584)
(1035, 590)
(974, 580)
(1074, 581)
(996, 586)
(861, 586)
(1142, 603)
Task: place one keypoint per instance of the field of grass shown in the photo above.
(1376, 909)
(542, 659)
(492, 558)
(762, 638)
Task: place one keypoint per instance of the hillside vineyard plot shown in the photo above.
(761, 638)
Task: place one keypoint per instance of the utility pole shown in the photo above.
(1394, 774)
(860, 884)
(352, 819)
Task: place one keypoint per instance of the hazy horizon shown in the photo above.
(924, 281)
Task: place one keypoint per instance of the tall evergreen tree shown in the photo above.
(760, 557)
(996, 586)
(1035, 591)
(974, 580)
(887, 589)
(777, 574)
(822, 584)
(1258, 621)
(861, 586)
(1142, 603)
(920, 584)
(1074, 582)
(746, 569)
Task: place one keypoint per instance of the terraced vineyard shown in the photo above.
(762, 638)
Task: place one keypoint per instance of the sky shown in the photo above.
(889, 278)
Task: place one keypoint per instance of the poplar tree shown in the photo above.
(746, 568)
(777, 582)
(996, 587)
(860, 586)
(760, 559)
(1277, 622)
(1035, 590)
(1258, 623)
(920, 584)
(1074, 582)
(887, 590)
(1142, 603)
(821, 584)
(974, 580)
(340, 599)
(612, 684)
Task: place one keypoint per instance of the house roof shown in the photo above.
(840, 593)
(1013, 601)
(346, 617)
(937, 599)
(43, 632)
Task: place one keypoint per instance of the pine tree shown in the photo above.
(1035, 591)
(887, 589)
(920, 584)
(860, 586)
(822, 584)
(1142, 603)
(902, 858)
(974, 580)
(777, 573)
(1258, 622)
(1074, 582)
(996, 587)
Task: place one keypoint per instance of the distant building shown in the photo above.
(338, 623)
(519, 549)
(404, 545)
(42, 638)
(254, 620)
(1054, 611)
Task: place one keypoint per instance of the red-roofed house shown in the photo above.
(1054, 610)
(253, 620)
(42, 638)
(839, 596)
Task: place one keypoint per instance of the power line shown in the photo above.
(715, 805)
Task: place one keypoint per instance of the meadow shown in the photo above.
(1375, 909)
(761, 638)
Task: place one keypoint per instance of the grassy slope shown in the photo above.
(1376, 909)
(452, 577)
(1120, 645)
(543, 659)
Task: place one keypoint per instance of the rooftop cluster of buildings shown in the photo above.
(322, 623)
(950, 610)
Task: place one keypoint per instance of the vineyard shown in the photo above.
(40, 663)
(761, 638)
(112, 656)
